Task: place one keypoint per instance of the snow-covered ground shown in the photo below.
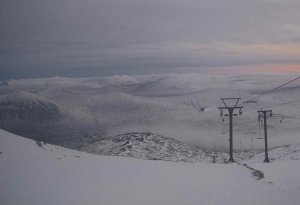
(31, 174)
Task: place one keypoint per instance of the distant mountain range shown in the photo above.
(71, 112)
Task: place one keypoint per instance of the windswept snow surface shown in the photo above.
(47, 174)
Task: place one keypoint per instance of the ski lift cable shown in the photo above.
(255, 109)
(258, 96)
(275, 105)
(293, 101)
(271, 90)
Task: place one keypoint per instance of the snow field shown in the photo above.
(30, 175)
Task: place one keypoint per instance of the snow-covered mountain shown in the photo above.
(26, 106)
(25, 113)
(145, 146)
(39, 118)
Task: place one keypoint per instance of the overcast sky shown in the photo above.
(40, 38)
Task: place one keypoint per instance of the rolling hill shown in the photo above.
(145, 146)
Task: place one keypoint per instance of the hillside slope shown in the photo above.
(47, 174)
(39, 118)
(145, 146)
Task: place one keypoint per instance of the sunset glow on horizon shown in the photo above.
(257, 69)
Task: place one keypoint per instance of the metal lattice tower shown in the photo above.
(230, 109)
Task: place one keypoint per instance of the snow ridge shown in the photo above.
(145, 146)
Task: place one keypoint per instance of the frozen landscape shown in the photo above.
(47, 174)
(161, 102)
(73, 112)
(147, 140)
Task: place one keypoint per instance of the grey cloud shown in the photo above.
(115, 36)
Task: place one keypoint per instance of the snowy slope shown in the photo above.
(145, 146)
(34, 175)
(286, 152)
(152, 146)
(27, 106)
(39, 118)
